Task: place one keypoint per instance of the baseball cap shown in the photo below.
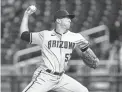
(63, 13)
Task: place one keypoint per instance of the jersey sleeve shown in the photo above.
(81, 42)
(36, 37)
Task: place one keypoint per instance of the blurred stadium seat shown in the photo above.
(89, 14)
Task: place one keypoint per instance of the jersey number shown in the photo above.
(67, 57)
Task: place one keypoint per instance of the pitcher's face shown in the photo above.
(65, 23)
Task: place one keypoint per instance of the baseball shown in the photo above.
(32, 7)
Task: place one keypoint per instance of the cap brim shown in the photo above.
(71, 16)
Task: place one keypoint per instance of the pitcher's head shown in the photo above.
(63, 18)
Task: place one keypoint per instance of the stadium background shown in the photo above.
(16, 74)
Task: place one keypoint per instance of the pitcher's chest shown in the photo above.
(53, 41)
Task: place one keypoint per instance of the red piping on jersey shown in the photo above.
(61, 55)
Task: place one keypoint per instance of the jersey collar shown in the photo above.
(55, 33)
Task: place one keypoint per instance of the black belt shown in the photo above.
(55, 73)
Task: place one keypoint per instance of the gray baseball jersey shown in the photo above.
(56, 48)
(56, 52)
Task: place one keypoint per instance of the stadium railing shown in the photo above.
(86, 33)
(99, 80)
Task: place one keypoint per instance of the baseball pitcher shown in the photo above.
(56, 46)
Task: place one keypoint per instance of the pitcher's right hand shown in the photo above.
(30, 10)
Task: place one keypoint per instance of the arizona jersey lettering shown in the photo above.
(61, 44)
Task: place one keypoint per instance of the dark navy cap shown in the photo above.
(62, 14)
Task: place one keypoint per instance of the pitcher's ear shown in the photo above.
(58, 20)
